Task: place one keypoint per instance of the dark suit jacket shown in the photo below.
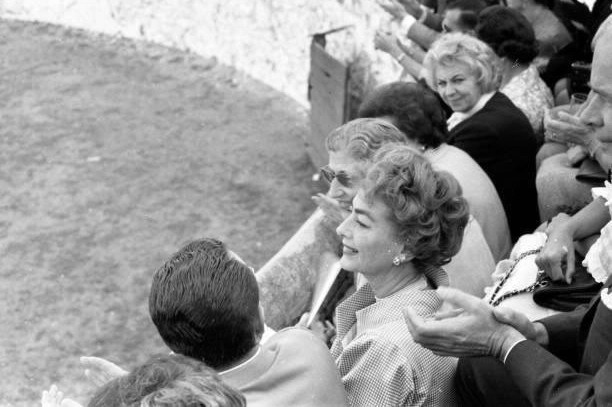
(501, 140)
(547, 380)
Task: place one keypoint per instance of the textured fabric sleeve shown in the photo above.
(547, 381)
(375, 373)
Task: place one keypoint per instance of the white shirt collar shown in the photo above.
(231, 369)
(458, 117)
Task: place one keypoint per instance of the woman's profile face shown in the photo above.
(348, 175)
(457, 86)
(369, 238)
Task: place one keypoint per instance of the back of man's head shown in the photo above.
(468, 12)
(205, 304)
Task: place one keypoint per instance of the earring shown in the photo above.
(397, 260)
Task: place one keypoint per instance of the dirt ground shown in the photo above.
(112, 155)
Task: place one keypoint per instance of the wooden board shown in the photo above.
(328, 100)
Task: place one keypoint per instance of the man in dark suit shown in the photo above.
(563, 360)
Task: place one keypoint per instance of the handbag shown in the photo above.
(560, 296)
(590, 172)
(556, 295)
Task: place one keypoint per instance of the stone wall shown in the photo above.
(267, 39)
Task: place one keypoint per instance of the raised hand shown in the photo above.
(55, 398)
(413, 7)
(100, 371)
(394, 8)
(387, 42)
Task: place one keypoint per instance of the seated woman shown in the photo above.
(511, 36)
(407, 220)
(415, 110)
(287, 281)
(162, 381)
(486, 124)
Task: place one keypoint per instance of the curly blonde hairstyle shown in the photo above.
(465, 49)
(426, 205)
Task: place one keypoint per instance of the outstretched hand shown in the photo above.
(413, 7)
(100, 371)
(394, 8)
(55, 398)
(387, 42)
(470, 330)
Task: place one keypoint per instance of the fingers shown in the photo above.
(438, 316)
(413, 321)
(570, 265)
(70, 403)
(570, 118)
(303, 322)
(457, 298)
(52, 397)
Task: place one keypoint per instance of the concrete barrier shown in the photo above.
(267, 39)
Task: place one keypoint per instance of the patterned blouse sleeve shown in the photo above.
(375, 372)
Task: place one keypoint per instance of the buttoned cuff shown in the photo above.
(407, 23)
(512, 347)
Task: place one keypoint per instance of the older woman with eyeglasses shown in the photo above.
(486, 124)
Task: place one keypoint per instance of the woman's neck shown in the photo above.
(510, 69)
(397, 278)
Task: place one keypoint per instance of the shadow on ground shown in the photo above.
(112, 155)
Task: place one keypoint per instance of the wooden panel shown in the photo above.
(328, 89)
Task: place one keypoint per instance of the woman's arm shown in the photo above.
(557, 255)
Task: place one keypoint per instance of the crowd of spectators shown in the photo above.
(485, 152)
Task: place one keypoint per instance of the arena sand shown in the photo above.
(113, 154)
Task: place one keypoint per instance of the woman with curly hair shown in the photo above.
(407, 220)
(511, 36)
(486, 124)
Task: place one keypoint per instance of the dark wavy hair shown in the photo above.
(414, 108)
(426, 205)
(205, 304)
(508, 32)
(168, 381)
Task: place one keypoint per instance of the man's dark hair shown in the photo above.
(205, 304)
(414, 108)
(509, 33)
(469, 11)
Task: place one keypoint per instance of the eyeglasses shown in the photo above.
(329, 175)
